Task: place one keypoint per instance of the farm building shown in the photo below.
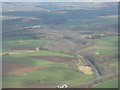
(63, 86)
(4, 53)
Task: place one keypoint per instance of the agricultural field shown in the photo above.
(22, 41)
(42, 68)
(106, 45)
(115, 63)
(113, 83)
(17, 38)
(49, 44)
(9, 17)
(20, 70)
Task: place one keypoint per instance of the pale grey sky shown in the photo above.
(59, 0)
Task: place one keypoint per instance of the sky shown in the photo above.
(60, 0)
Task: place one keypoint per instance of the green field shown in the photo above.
(17, 37)
(109, 44)
(22, 41)
(51, 76)
(43, 53)
(109, 41)
(25, 43)
(114, 63)
(55, 73)
(113, 83)
(10, 17)
(24, 57)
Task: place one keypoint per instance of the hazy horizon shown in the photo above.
(60, 1)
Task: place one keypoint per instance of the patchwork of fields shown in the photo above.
(22, 68)
(49, 44)
(22, 41)
(42, 68)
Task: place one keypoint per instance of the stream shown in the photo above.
(93, 67)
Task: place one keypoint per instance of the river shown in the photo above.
(93, 67)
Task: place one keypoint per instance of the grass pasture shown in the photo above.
(10, 17)
(19, 41)
(51, 76)
(24, 43)
(54, 73)
(115, 63)
(17, 38)
(38, 53)
(32, 61)
(113, 83)
(111, 44)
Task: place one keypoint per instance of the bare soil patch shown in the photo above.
(54, 58)
(11, 68)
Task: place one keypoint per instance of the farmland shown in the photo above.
(46, 74)
(32, 70)
(110, 43)
(49, 44)
(22, 41)
(113, 83)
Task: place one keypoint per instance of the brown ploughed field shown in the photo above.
(10, 68)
